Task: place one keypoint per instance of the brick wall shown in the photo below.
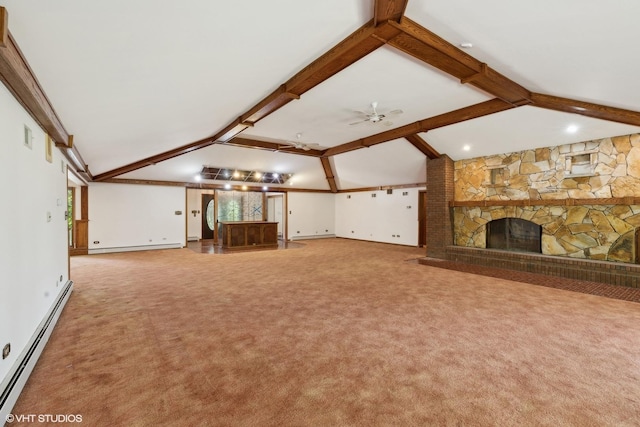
(440, 191)
(613, 273)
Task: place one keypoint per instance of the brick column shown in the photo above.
(440, 190)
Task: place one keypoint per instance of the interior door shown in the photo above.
(208, 220)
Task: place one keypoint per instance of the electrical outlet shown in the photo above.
(6, 350)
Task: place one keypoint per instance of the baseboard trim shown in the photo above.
(29, 357)
(135, 248)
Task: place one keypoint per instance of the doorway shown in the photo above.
(275, 208)
(208, 221)
(422, 219)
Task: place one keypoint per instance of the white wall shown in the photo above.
(311, 215)
(389, 218)
(131, 217)
(33, 250)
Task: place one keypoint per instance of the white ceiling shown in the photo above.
(132, 79)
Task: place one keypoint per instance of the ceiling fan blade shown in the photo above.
(387, 123)
(358, 122)
(395, 112)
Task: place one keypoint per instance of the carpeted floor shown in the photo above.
(335, 333)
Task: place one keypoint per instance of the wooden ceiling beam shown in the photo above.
(463, 114)
(360, 43)
(588, 109)
(72, 154)
(16, 74)
(4, 27)
(432, 49)
(423, 146)
(328, 171)
(273, 146)
(388, 10)
(152, 160)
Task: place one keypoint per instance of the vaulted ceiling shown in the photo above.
(156, 90)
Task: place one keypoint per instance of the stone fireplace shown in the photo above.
(596, 232)
(584, 199)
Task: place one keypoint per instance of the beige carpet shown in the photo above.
(336, 333)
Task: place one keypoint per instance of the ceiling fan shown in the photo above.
(376, 117)
(301, 145)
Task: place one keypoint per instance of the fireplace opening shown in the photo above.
(514, 234)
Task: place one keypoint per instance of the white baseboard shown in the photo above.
(135, 248)
(14, 382)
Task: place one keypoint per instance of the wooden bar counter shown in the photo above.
(249, 234)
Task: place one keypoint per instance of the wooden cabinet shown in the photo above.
(249, 234)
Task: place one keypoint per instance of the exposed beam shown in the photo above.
(384, 187)
(201, 185)
(4, 27)
(423, 146)
(16, 74)
(72, 154)
(586, 109)
(152, 160)
(268, 105)
(273, 146)
(426, 46)
(360, 43)
(328, 171)
(463, 114)
(385, 10)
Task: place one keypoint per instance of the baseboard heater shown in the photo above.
(95, 251)
(313, 236)
(27, 360)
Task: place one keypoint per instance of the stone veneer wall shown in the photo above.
(539, 177)
(542, 174)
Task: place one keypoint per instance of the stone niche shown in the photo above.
(597, 232)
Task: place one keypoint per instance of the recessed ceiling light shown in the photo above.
(466, 147)
(466, 45)
(227, 186)
(572, 129)
(198, 178)
(265, 188)
(244, 187)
